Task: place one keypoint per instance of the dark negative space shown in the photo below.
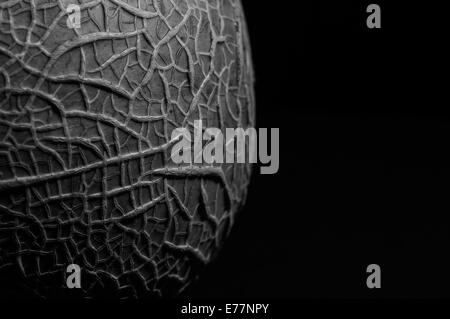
(364, 155)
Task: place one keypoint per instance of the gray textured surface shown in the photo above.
(85, 122)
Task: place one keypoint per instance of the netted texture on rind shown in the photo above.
(86, 117)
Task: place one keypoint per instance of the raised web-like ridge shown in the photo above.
(86, 117)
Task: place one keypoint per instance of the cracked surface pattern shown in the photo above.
(86, 117)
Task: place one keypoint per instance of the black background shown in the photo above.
(365, 171)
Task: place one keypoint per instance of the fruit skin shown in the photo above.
(85, 122)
